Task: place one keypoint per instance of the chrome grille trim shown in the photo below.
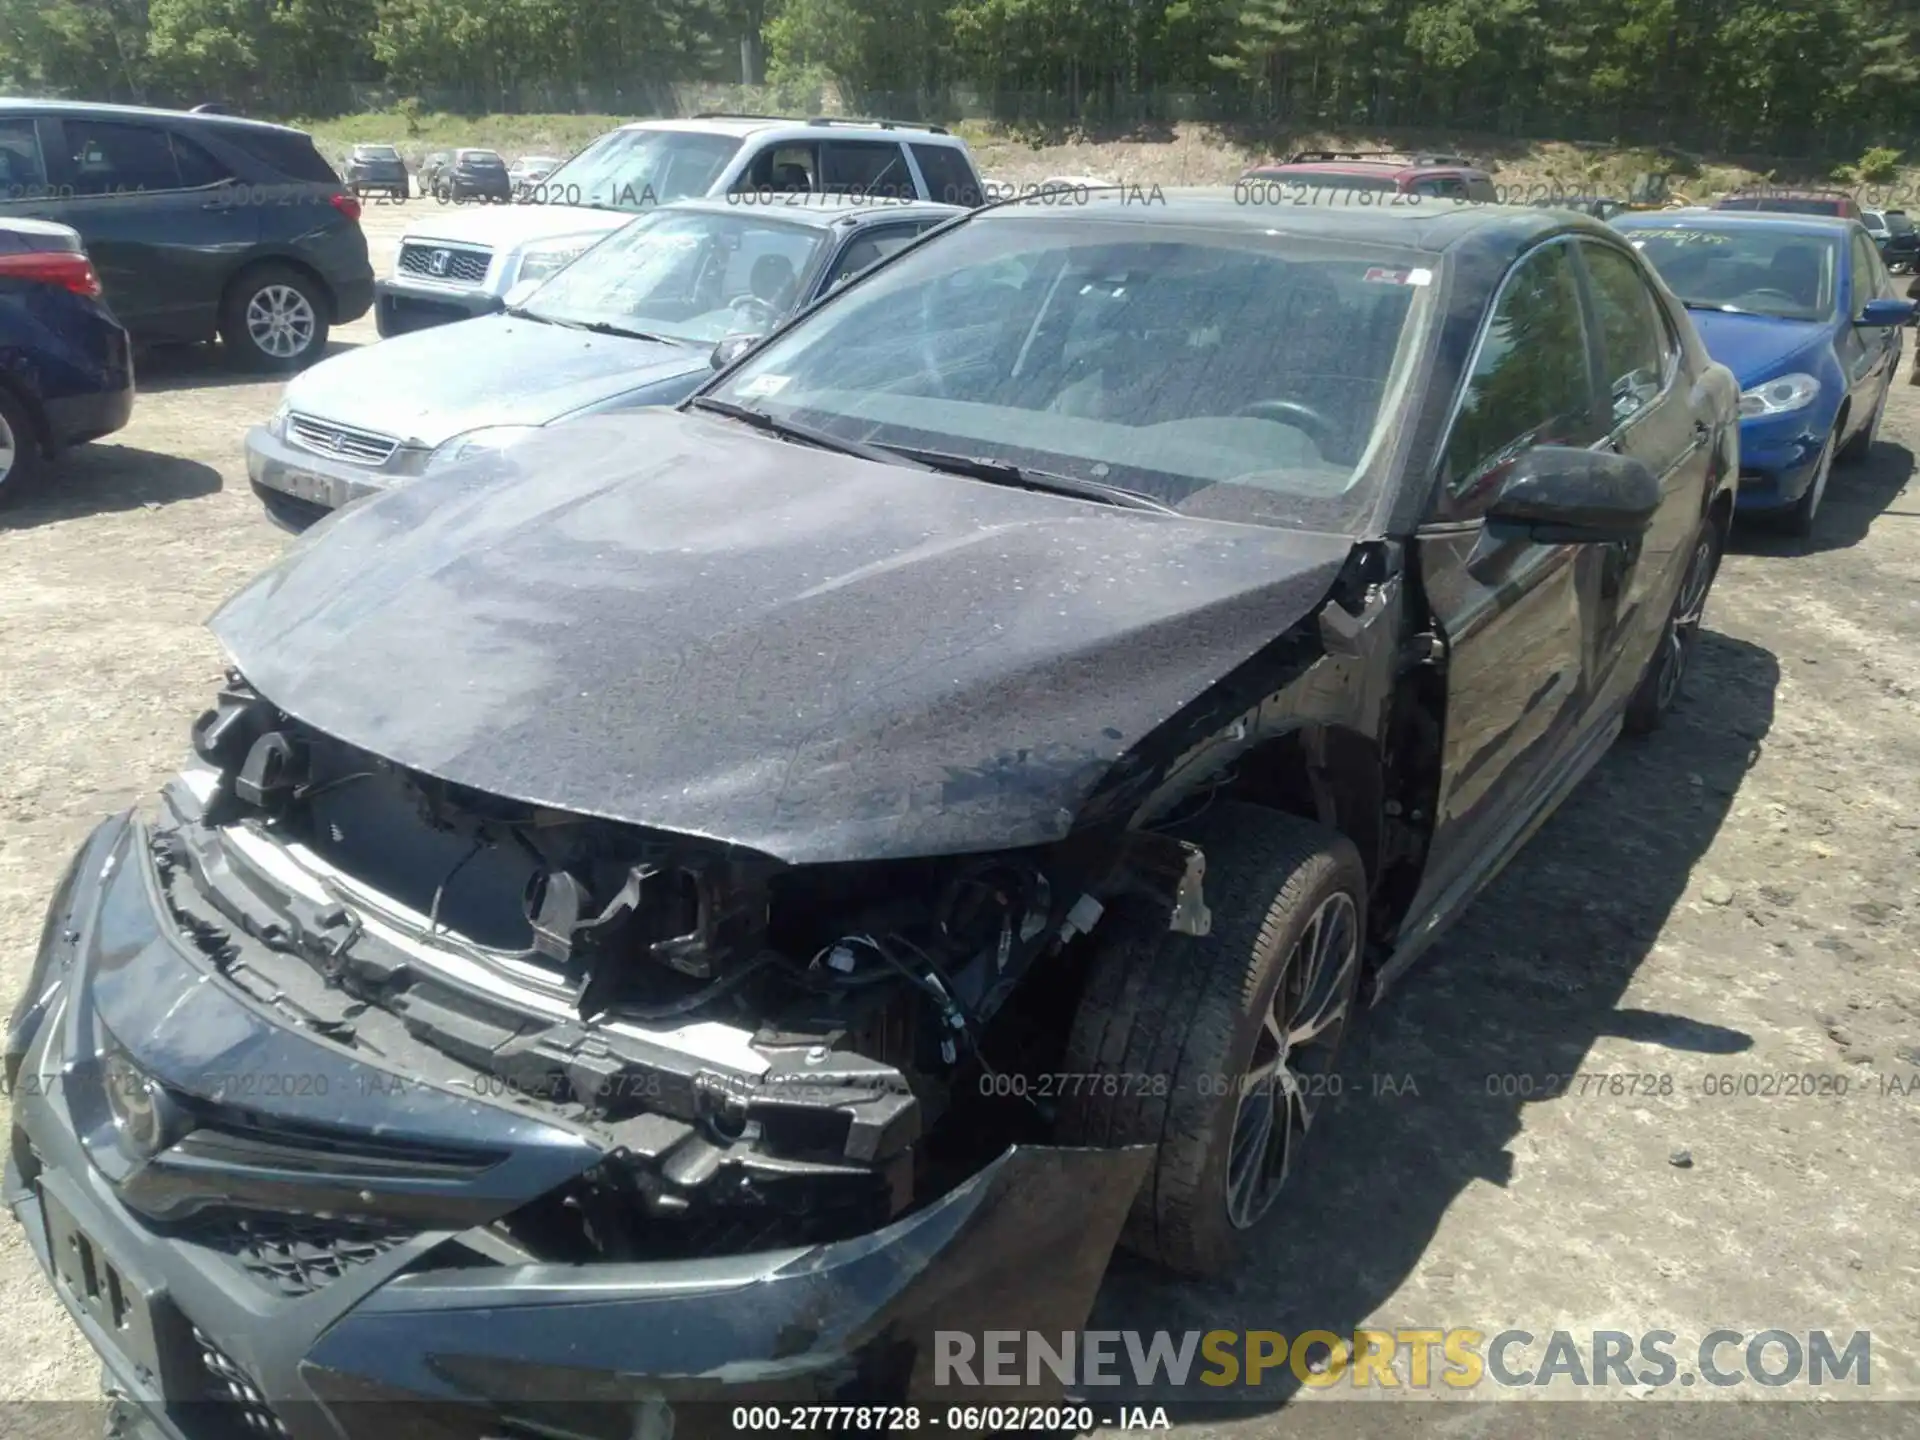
(463, 265)
(340, 442)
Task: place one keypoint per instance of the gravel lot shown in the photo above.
(1737, 898)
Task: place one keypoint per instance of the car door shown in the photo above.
(1875, 351)
(163, 246)
(1656, 418)
(1516, 618)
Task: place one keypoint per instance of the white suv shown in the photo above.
(462, 260)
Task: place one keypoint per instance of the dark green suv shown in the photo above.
(199, 224)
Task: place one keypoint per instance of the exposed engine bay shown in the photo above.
(766, 1051)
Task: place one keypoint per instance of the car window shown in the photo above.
(1245, 379)
(865, 167)
(23, 173)
(1865, 281)
(1479, 187)
(689, 275)
(109, 158)
(950, 179)
(868, 250)
(1634, 341)
(783, 169)
(291, 152)
(1447, 187)
(636, 169)
(1530, 383)
(1732, 267)
(197, 167)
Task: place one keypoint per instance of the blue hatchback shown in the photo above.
(1803, 312)
(66, 365)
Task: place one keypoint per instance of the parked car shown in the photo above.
(1896, 238)
(460, 262)
(1110, 642)
(373, 168)
(1803, 312)
(1452, 177)
(530, 170)
(432, 169)
(1782, 200)
(198, 224)
(1601, 207)
(633, 321)
(474, 175)
(66, 365)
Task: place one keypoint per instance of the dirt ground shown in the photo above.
(1735, 898)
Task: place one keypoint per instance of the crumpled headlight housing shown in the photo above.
(1779, 396)
(490, 440)
(539, 263)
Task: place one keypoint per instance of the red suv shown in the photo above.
(1792, 202)
(1449, 177)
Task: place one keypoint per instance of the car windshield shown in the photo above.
(1225, 373)
(637, 169)
(1782, 273)
(692, 276)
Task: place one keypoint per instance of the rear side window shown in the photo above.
(288, 151)
(23, 174)
(112, 158)
(1479, 187)
(1530, 383)
(949, 176)
(197, 167)
(865, 167)
(1446, 187)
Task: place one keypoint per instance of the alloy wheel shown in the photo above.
(1683, 626)
(280, 321)
(1293, 1054)
(9, 449)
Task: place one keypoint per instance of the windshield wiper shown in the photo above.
(1002, 472)
(1715, 306)
(607, 327)
(789, 430)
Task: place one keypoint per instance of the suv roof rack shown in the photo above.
(736, 115)
(1393, 157)
(879, 124)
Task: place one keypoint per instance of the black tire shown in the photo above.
(23, 460)
(1856, 450)
(1799, 520)
(1194, 1012)
(257, 294)
(1664, 679)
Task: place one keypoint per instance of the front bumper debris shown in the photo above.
(311, 1248)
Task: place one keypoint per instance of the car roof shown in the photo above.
(741, 126)
(51, 108)
(1396, 168)
(1436, 226)
(1785, 221)
(820, 210)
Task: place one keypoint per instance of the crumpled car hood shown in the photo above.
(670, 620)
(428, 386)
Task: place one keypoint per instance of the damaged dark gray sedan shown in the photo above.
(676, 911)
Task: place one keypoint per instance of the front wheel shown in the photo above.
(274, 318)
(1220, 1050)
(1666, 672)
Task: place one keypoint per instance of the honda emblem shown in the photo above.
(441, 262)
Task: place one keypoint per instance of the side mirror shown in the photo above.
(1881, 313)
(1557, 495)
(522, 292)
(730, 348)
